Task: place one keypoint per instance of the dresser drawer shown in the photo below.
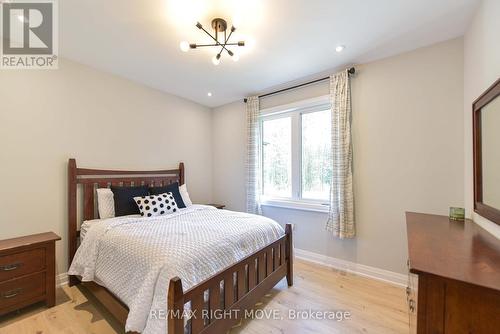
(22, 263)
(20, 290)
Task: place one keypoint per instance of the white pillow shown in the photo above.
(105, 203)
(185, 195)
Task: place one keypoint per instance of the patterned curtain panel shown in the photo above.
(253, 185)
(341, 215)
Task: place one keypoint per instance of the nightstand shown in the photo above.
(27, 271)
(218, 206)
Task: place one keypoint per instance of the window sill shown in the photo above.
(296, 205)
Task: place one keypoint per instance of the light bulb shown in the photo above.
(216, 60)
(340, 48)
(184, 46)
(209, 94)
(235, 57)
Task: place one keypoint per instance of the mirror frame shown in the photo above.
(480, 208)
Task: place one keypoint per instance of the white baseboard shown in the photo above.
(62, 279)
(355, 268)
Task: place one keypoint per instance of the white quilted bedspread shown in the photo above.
(135, 258)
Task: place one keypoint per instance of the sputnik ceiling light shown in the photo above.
(220, 27)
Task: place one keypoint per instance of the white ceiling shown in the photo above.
(139, 39)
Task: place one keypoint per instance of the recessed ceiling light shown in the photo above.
(340, 48)
(209, 94)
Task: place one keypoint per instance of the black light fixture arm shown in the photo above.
(194, 46)
(225, 42)
(217, 43)
(219, 25)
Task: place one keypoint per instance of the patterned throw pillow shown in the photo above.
(156, 205)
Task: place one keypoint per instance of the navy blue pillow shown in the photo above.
(171, 188)
(124, 199)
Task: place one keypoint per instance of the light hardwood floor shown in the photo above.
(375, 307)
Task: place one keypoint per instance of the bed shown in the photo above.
(227, 266)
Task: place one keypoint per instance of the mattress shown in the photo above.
(135, 257)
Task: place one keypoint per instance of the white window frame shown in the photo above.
(295, 111)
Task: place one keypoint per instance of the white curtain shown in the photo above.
(341, 215)
(253, 166)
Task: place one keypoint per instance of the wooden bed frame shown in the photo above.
(250, 279)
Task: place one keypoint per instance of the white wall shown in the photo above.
(101, 120)
(408, 153)
(481, 69)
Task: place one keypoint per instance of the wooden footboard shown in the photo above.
(245, 283)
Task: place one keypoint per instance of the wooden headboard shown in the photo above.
(91, 179)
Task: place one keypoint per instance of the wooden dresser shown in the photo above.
(27, 271)
(458, 268)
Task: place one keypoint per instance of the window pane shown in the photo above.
(316, 155)
(277, 157)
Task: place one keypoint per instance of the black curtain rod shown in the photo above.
(351, 71)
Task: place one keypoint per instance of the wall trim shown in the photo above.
(354, 268)
(62, 279)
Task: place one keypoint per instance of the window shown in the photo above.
(277, 157)
(316, 161)
(296, 157)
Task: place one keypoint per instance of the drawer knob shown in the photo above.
(11, 293)
(9, 267)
